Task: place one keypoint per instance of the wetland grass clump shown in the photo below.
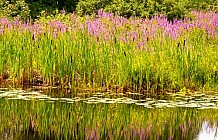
(112, 52)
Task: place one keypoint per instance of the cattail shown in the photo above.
(125, 53)
(133, 39)
(33, 36)
(178, 45)
(115, 40)
(71, 59)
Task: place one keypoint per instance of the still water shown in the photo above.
(207, 132)
(173, 116)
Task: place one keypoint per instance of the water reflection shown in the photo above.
(35, 115)
(208, 132)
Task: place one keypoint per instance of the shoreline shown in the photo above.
(5, 84)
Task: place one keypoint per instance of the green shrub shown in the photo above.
(14, 8)
(172, 9)
(50, 6)
(91, 6)
(133, 8)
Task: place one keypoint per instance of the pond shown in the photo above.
(38, 115)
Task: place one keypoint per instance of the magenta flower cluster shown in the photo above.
(109, 27)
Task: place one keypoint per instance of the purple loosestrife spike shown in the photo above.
(63, 12)
(1, 31)
(73, 16)
(106, 39)
(63, 29)
(16, 22)
(100, 13)
(55, 33)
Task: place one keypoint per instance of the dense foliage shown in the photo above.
(144, 8)
(50, 6)
(112, 51)
(14, 8)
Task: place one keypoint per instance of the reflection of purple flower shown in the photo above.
(158, 136)
(189, 123)
(141, 136)
(92, 135)
(150, 127)
(183, 129)
(134, 133)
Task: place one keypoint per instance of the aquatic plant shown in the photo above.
(109, 51)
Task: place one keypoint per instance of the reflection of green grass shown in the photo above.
(78, 59)
(80, 120)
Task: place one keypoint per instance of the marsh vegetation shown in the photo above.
(148, 77)
(111, 52)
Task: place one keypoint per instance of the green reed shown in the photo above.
(78, 59)
(102, 121)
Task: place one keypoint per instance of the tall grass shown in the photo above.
(111, 52)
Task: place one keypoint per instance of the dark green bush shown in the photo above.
(146, 8)
(143, 8)
(91, 6)
(125, 8)
(50, 6)
(205, 5)
(14, 8)
(175, 9)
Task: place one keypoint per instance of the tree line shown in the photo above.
(172, 9)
